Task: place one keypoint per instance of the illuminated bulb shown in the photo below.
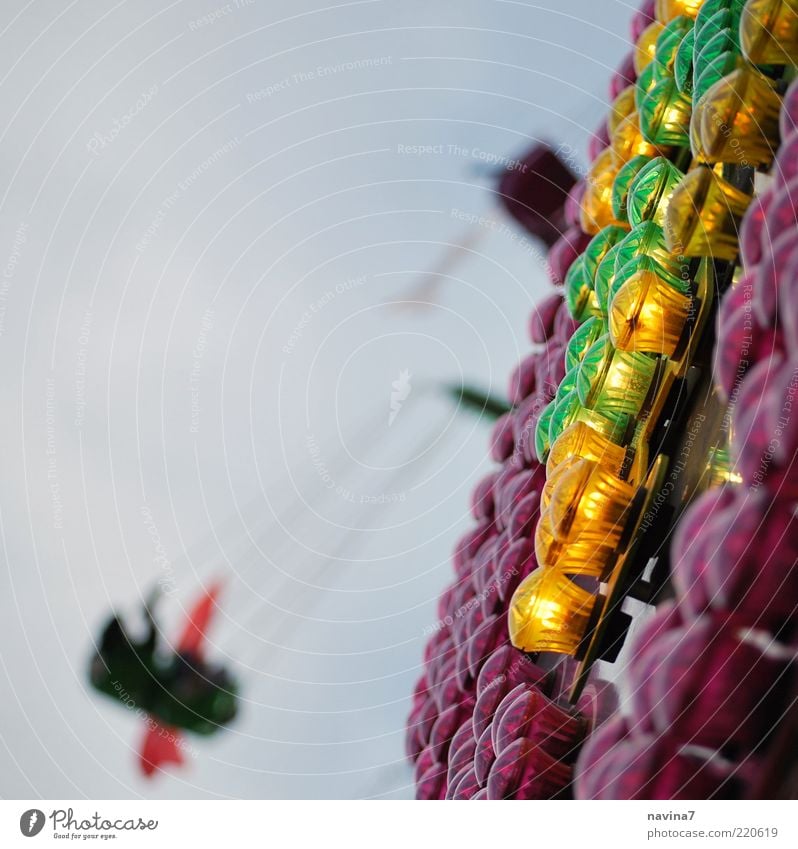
(646, 46)
(623, 105)
(549, 612)
(645, 82)
(567, 384)
(706, 75)
(769, 32)
(605, 278)
(719, 468)
(598, 248)
(647, 264)
(648, 239)
(590, 503)
(683, 64)
(651, 191)
(583, 337)
(738, 120)
(667, 10)
(665, 115)
(579, 295)
(542, 432)
(623, 182)
(704, 216)
(569, 409)
(551, 481)
(628, 141)
(596, 209)
(614, 382)
(581, 441)
(578, 558)
(648, 316)
(668, 44)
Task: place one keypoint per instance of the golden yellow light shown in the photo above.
(667, 10)
(769, 32)
(549, 612)
(579, 440)
(628, 141)
(590, 504)
(596, 212)
(623, 105)
(704, 215)
(576, 558)
(646, 46)
(648, 315)
(737, 120)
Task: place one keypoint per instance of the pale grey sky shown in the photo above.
(207, 210)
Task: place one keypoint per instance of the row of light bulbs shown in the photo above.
(659, 210)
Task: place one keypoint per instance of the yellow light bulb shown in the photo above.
(667, 10)
(549, 612)
(590, 504)
(623, 105)
(628, 141)
(737, 120)
(646, 46)
(577, 558)
(769, 32)
(704, 215)
(552, 478)
(648, 315)
(596, 211)
(582, 441)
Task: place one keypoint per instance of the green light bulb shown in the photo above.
(651, 191)
(623, 180)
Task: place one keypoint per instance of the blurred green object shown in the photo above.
(475, 400)
(179, 688)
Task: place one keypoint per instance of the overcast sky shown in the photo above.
(209, 214)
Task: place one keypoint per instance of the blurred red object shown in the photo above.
(533, 190)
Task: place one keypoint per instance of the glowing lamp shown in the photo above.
(646, 263)
(604, 279)
(583, 337)
(648, 239)
(665, 115)
(590, 503)
(645, 82)
(623, 182)
(596, 211)
(549, 612)
(709, 71)
(579, 295)
(648, 315)
(542, 432)
(628, 140)
(646, 46)
(567, 384)
(614, 382)
(667, 10)
(598, 247)
(704, 216)
(738, 120)
(668, 44)
(582, 441)
(623, 105)
(577, 558)
(769, 32)
(569, 409)
(683, 64)
(552, 480)
(651, 191)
